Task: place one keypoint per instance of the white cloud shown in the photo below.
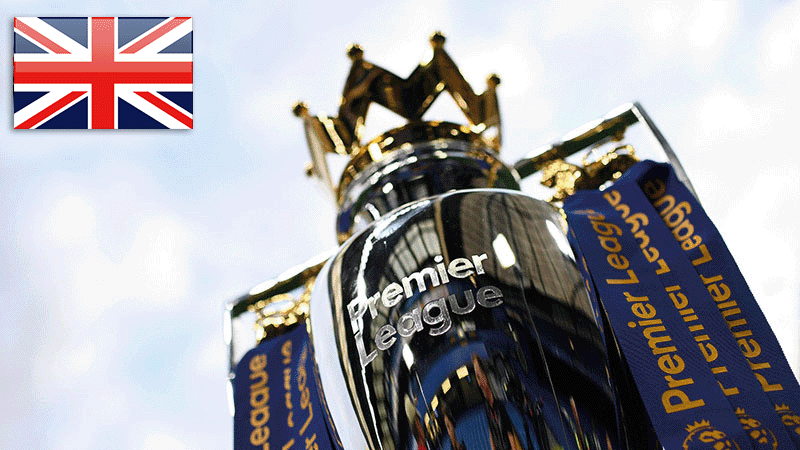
(661, 18)
(767, 249)
(155, 272)
(157, 268)
(161, 440)
(782, 49)
(63, 363)
(780, 46)
(722, 113)
(712, 22)
(72, 220)
(211, 359)
(568, 20)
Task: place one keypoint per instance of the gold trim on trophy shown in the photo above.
(567, 178)
(410, 98)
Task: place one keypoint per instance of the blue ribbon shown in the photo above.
(716, 267)
(276, 397)
(701, 316)
(682, 398)
(677, 241)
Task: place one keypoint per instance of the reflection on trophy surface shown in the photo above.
(497, 326)
(454, 315)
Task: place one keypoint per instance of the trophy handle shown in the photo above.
(270, 308)
(552, 162)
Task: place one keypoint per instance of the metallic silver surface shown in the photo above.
(418, 170)
(497, 348)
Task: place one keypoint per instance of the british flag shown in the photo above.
(103, 72)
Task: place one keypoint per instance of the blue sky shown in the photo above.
(121, 248)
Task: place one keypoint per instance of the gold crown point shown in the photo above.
(309, 170)
(355, 52)
(698, 425)
(437, 39)
(408, 97)
(300, 109)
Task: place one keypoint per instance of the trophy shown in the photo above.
(454, 314)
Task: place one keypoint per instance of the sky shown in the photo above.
(121, 248)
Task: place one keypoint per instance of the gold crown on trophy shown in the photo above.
(410, 98)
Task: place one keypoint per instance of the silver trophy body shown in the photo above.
(459, 320)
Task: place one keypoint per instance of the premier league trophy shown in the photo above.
(455, 314)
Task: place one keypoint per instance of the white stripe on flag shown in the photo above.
(48, 99)
(148, 52)
(46, 30)
(153, 111)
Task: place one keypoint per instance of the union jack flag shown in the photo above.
(103, 72)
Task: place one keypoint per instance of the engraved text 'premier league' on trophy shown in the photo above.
(460, 313)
